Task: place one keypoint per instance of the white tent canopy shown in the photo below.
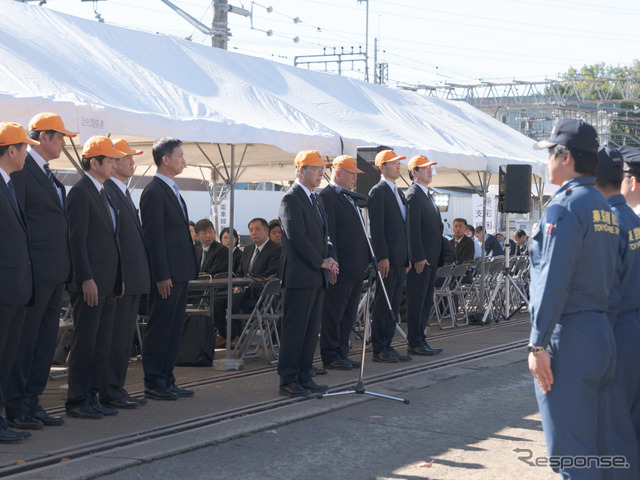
(108, 80)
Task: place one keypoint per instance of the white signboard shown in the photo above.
(490, 221)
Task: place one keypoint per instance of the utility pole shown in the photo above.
(219, 27)
(366, 44)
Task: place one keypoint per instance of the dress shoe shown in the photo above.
(399, 356)
(139, 401)
(121, 403)
(354, 364)
(338, 365)
(437, 350)
(157, 394)
(107, 412)
(317, 371)
(47, 419)
(9, 436)
(384, 357)
(83, 411)
(294, 390)
(25, 422)
(181, 392)
(23, 434)
(423, 350)
(221, 342)
(313, 387)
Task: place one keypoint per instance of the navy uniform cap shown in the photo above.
(631, 157)
(572, 133)
(610, 164)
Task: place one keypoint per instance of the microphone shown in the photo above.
(351, 193)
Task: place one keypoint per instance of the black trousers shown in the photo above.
(11, 318)
(92, 330)
(419, 301)
(124, 328)
(338, 315)
(162, 336)
(383, 324)
(30, 371)
(301, 325)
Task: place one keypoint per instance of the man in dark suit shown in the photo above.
(16, 275)
(492, 247)
(260, 259)
(352, 254)
(135, 272)
(519, 243)
(389, 225)
(464, 245)
(211, 255)
(427, 255)
(165, 223)
(43, 198)
(307, 268)
(97, 277)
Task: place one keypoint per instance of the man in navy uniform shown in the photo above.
(574, 263)
(425, 237)
(97, 278)
(624, 394)
(389, 225)
(352, 254)
(16, 274)
(135, 272)
(165, 224)
(44, 199)
(307, 267)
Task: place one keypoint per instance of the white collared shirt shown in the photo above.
(41, 162)
(120, 185)
(172, 184)
(5, 176)
(100, 187)
(394, 189)
(306, 190)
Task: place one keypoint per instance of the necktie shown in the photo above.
(254, 257)
(403, 209)
(128, 195)
(177, 190)
(204, 255)
(103, 195)
(316, 204)
(12, 191)
(47, 171)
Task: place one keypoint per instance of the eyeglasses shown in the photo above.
(315, 169)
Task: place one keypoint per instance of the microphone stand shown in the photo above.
(372, 270)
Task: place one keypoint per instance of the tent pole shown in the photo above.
(232, 184)
(140, 178)
(75, 164)
(464, 175)
(235, 179)
(484, 186)
(207, 157)
(214, 174)
(224, 164)
(205, 182)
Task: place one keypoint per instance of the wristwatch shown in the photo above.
(535, 349)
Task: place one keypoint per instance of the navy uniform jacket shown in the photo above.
(16, 276)
(305, 242)
(347, 236)
(133, 251)
(265, 265)
(576, 226)
(425, 235)
(48, 226)
(629, 253)
(166, 233)
(389, 233)
(492, 246)
(94, 245)
(216, 260)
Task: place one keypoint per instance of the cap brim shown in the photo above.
(543, 144)
(352, 170)
(31, 142)
(66, 133)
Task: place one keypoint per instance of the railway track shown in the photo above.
(166, 431)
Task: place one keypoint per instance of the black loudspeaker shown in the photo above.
(366, 158)
(514, 189)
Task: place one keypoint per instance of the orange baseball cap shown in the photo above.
(49, 121)
(309, 158)
(346, 162)
(13, 134)
(419, 161)
(99, 145)
(387, 156)
(122, 145)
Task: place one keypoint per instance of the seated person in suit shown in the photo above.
(212, 256)
(521, 247)
(275, 231)
(492, 246)
(477, 248)
(460, 242)
(260, 259)
(237, 251)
